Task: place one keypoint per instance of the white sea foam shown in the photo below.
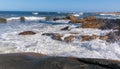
(77, 14)
(29, 18)
(62, 21)
(11, 42)
(35, 13)
(108, 14)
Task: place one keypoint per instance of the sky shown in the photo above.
(60, 5)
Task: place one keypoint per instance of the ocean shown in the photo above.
(41, 22)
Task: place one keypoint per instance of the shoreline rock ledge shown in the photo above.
(41, 61)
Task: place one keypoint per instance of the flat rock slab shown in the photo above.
(40, 61)
(27, 33)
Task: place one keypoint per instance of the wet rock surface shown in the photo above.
(27, 33)
(41, 61)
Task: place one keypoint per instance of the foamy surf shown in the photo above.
(11, 42)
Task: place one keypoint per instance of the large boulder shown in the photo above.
(40, 61)
(72, 18)
(27, 33)
(3, 20)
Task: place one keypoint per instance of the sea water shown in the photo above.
(11, 42)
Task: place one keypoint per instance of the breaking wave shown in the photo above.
(30, 18)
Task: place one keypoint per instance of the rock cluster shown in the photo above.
(59, 37)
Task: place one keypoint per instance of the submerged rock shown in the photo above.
(3, 20)
(27, 33)
(31, 61)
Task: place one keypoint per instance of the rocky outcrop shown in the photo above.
(3, 20)
(72, 18)
(60, 37)
(27, 33)
(30, 61)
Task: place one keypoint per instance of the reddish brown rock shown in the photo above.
(90, 18)
(55, 36)
(27, 33)
(88, 38)
(69, 38)
(104, 37)
(91, 25)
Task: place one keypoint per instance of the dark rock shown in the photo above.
(113, 36)
(27, 33)
(90, 18)
(3, 20)
(72, 18)
(30, 61)
(22, 19)
(65, 28)
(62, 18)
(110, 23)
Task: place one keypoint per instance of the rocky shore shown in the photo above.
(41, 61)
